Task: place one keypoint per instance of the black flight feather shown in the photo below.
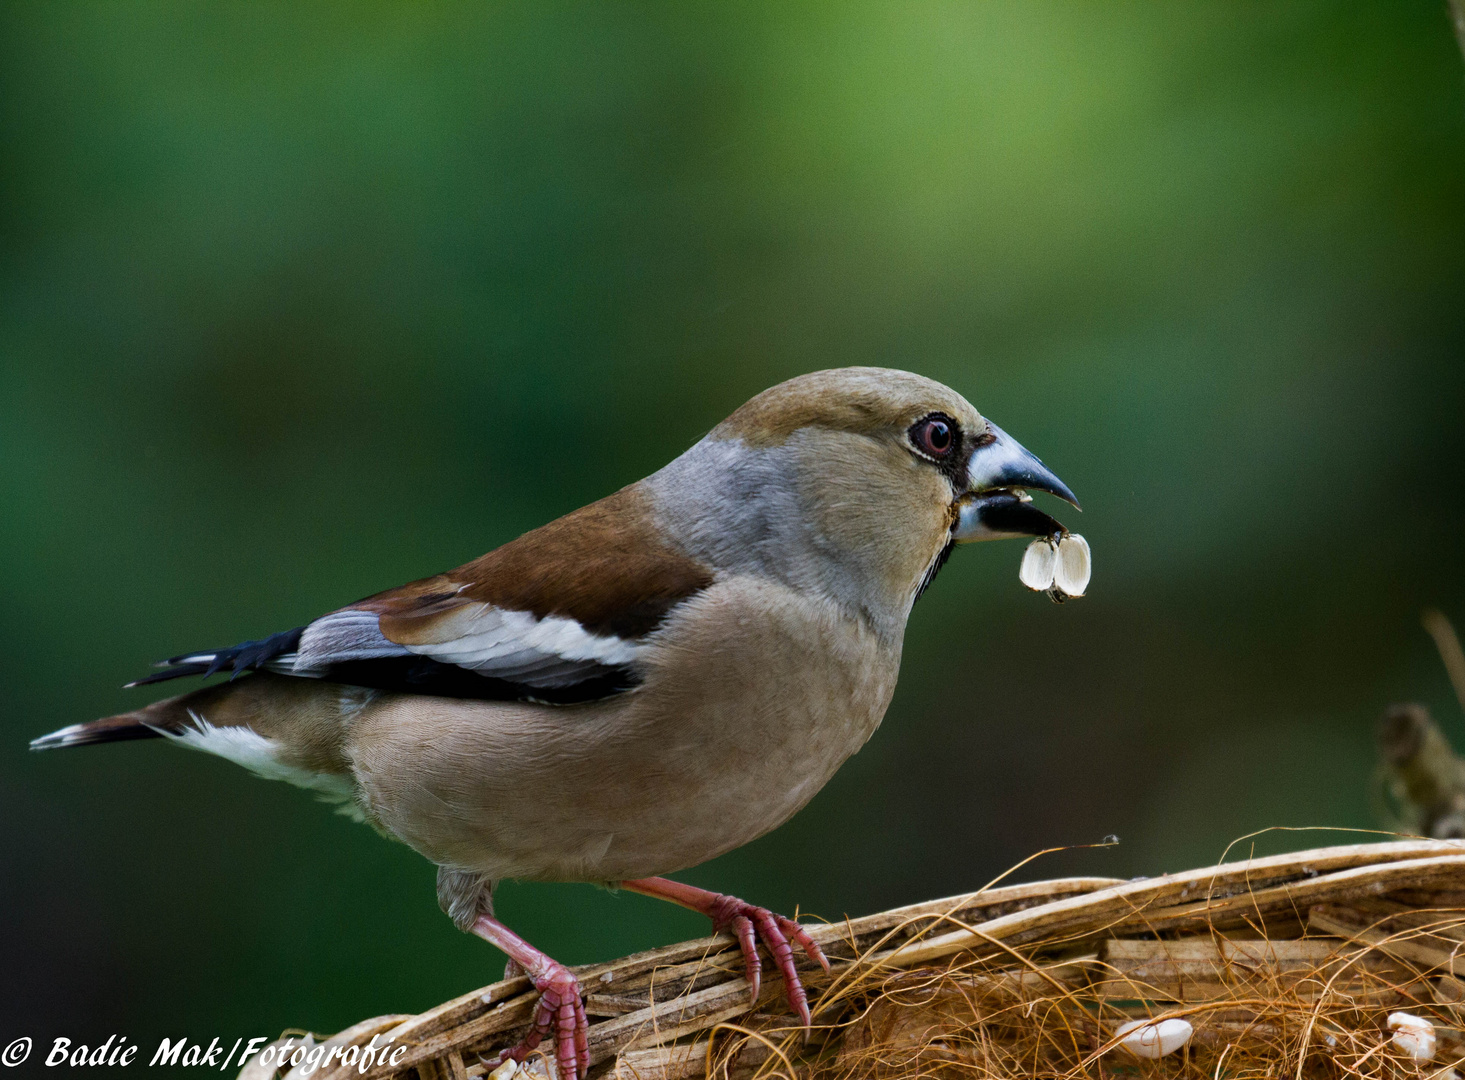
(246, 656)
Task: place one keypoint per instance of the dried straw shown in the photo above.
(1286, 967)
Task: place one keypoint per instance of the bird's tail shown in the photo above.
(150, 722)
(265, 704)
(270, 724)
(230, 704)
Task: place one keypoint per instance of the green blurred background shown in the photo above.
(298, 302)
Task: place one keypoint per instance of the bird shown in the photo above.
(639, 686)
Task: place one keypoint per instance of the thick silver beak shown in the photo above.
(996, 506)
(1006, 463)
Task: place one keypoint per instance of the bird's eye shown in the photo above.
(935, 436)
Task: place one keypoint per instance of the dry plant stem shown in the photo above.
(1420, 784)
(1230, 892)
(1414, 937)
(448, 1067)
(1439, 627)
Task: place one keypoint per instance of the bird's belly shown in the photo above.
(733, 731)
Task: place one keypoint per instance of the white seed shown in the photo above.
(1414, 1035)
(1037, 565)
(1074, 566)
(1152, 1039)
(505, 1071)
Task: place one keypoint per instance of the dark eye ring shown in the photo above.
(935, 436)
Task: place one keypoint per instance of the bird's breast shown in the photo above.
(754, 699)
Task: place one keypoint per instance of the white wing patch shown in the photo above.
(513, 645)
(261, 756)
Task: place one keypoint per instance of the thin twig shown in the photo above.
(1440, 628)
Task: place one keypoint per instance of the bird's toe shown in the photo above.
(752, 924)
(560, 1015)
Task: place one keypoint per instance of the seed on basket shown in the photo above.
(1153, 1039)
(1413, 1034)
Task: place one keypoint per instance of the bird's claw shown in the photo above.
(750, 923)
(560, 1014)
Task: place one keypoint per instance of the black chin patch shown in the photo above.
(935, 569)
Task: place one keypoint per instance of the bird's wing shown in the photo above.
(560, 615)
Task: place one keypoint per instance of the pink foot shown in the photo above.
(561, 1009)
(749, 923)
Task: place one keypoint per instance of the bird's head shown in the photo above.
(855, 482)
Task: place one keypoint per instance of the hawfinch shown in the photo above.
(640, 686)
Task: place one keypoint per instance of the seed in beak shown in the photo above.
(1061, 567)
(1036, 571)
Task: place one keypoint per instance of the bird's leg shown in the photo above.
(748, 923)
(560, 1012)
